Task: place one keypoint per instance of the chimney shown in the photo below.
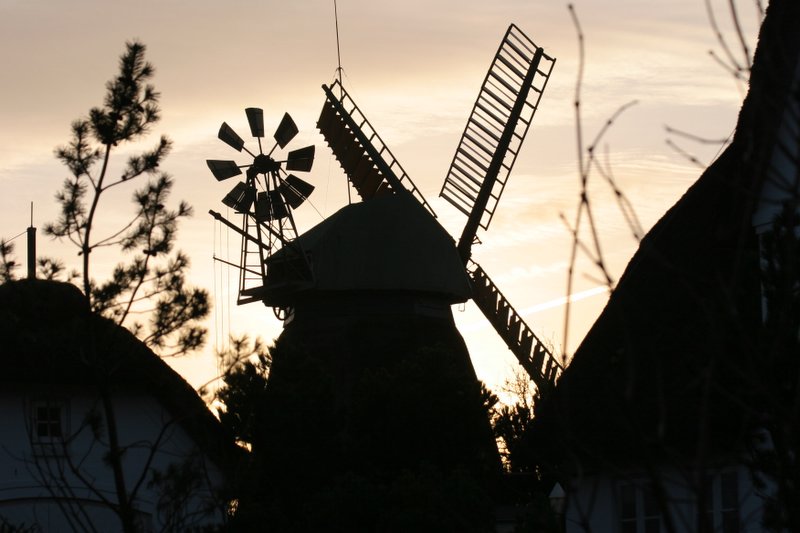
(31, 248)
(31, 253)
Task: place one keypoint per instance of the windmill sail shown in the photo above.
(500, 118)
(537, 360)
(369, 164)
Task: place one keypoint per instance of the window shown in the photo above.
(639, 510)
(47, 422)
(722, 502)
(776, 244)
(48, 425)
(729, 502)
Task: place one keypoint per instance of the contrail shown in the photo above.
(558, 302)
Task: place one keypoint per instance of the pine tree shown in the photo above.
(152, 281)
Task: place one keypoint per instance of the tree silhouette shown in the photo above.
(152, 282)
(7, 261)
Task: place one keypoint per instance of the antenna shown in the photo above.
(338, 51)
(339, 73)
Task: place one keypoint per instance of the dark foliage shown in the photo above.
(7, 261)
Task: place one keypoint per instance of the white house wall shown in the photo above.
(593, 502)
(36, 488)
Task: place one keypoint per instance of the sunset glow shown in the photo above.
(414, 68)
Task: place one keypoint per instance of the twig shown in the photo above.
(712, 20)
(585, 162)
(738, 29)
(579, 140)
(684, 153)
(691, 136)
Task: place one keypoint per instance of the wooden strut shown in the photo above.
(244, 234)
(288, 244)
(234, 265)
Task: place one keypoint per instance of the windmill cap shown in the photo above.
(388, 243)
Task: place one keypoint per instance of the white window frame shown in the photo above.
(716, 504)
(646, 516)
(41, 415)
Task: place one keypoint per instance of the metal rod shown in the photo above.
(338, 52)
(236, 266)
(244, 234)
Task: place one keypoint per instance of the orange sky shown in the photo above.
(414, 68)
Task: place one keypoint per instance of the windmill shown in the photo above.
(370, 379)
(500, 119)
(265, 199)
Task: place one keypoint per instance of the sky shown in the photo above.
(414, 68)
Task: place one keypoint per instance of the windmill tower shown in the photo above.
(370, 376)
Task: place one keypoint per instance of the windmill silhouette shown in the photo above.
(370, 377)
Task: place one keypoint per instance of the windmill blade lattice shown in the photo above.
(265, 199)
(369, 164)
(531, 353)
(492, 138)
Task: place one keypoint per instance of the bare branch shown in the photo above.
(692, 137)
(740, 35)
(732, 65)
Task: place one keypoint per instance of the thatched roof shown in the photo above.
(667, 370)
(51, 342)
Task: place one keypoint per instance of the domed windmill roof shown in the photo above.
(386, 244)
